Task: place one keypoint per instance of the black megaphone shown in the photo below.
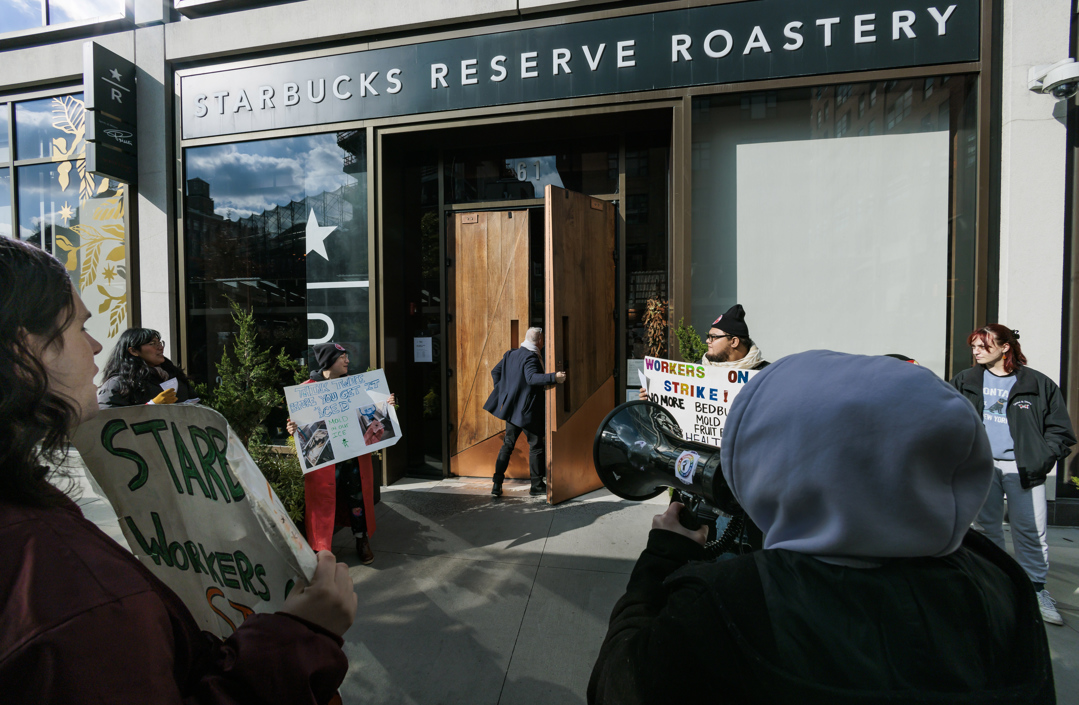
(639, 452)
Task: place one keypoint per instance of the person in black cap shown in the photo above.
(729, 345)
(344, 488)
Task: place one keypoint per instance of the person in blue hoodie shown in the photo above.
(864, 474)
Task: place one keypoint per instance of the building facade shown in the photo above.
(862, 175)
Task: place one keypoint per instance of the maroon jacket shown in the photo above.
(82, 621)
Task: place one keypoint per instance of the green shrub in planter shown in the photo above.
(283, 473)
(690, 345)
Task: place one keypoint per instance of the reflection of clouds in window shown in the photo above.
(252, 177)
(71, 10)
(19, 14)
(34, 129)
(42, 201)
(5, 203)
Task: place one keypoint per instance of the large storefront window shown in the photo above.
(841, 217)
(279, 226)
(59, 206)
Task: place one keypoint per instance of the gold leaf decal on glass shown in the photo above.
(62, 174)
(112, 210)
(117, 315)
(69, 115)
(100, 239)
(72, 252)
(90, 254)
(87, 182)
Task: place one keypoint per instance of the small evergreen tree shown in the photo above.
(690, 345)
(251, 378)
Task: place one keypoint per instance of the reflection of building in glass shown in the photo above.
(261, 262)
(865, 109)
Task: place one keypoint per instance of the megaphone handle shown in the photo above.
(688, 519)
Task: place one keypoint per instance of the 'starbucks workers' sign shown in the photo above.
(698, 396)
(196, 510)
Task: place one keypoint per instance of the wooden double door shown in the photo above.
(489, 306)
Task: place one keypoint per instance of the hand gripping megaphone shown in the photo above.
(639, 452)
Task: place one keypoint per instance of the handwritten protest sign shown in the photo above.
(196, 510)
(698, 396)
(342, 418)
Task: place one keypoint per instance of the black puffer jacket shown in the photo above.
(1037, 419)
(109, 395)
(776, 626)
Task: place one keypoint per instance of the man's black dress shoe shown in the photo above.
(496, 489)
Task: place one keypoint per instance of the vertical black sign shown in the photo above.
(109, 91)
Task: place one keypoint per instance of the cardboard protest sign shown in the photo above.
(698, 396)
(342, 418)
(196, 510)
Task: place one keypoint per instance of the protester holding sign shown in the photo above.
(348, 484)
(729, 345)
(139, 373)
(84, 621)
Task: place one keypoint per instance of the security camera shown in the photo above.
(1061, 80)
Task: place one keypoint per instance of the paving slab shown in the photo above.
(606, 536)
(560, 636)
(474, 527)
(434, 629)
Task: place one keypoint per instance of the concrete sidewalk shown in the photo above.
(505, 601)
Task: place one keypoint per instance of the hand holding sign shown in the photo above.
(329, 601)
(166, 397)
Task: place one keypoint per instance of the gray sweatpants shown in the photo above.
(1026, 517)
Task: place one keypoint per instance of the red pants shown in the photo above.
(323, 513)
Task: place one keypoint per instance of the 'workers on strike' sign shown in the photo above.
(698, 396)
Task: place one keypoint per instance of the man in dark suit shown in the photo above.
(518, 400)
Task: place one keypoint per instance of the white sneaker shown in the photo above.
(1049, 610)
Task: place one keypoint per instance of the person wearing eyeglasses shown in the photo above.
(138, 372)
(729, 345)
(1027, 422)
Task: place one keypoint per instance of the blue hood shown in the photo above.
(854, 456)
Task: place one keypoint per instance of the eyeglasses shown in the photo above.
(157, 343)
(711, 337)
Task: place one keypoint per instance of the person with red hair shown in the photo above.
(1028, 427)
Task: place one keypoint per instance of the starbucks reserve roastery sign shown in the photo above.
(732, 42)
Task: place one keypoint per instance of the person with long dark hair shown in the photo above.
(83, 620)
(1029, 430)
(137, 372)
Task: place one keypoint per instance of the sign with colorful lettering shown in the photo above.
(698, 396)
(196, 510)
(722, 43)
(342, 418)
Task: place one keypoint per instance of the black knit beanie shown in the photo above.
(733, 322)
(326, 354)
